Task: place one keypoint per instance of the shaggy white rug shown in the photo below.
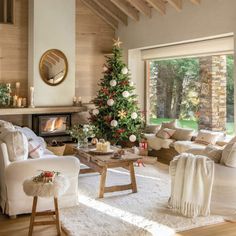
(125, 213)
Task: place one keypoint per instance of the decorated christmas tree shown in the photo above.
(117, 116)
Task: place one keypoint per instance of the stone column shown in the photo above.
(212, 112)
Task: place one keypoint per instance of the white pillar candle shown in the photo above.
(32, 97)
(15, 100)
(19, 102)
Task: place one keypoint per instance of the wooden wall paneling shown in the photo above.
(93, 37)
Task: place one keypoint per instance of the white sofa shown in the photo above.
(13, 200)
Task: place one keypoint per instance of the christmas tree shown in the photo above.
(117, 117)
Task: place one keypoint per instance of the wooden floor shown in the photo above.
(19, 227)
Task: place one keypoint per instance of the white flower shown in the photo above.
(132, 138)
(110, 102)
(125, 94)
(125, 71)
(114, 123)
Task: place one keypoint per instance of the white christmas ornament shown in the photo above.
(110, 102)
(131, 83)
(113, 83)
(125, 71)
(134, 115)
(95, 112)
(125, 94)
(132, 138)
(114, 123)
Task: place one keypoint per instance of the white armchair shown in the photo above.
(13, 200)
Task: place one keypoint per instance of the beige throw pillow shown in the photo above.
(165, 133)
(169, 125)
(152, 129)
(214, 153)
(207, 137)
(229, 155)
(183, 134)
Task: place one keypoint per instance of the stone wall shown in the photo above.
(212, 113)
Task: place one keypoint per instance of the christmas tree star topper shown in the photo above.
(117, 42)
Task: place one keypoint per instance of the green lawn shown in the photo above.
(191, 124)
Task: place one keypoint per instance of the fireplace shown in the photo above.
(52, 126)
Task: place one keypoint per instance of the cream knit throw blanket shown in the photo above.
(191, 184)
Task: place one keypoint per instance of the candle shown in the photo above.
(17, 84)
(31, 89)
(24, 102)
(32, 97)
(19, 101)
(74, 99)
(15, 100)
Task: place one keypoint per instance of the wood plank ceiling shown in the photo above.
(114, 12)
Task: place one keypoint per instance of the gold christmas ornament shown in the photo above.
(122, 114)
(117, 42)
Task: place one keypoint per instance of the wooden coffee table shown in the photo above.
(100, 164)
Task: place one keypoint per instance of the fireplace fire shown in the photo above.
(52, 125)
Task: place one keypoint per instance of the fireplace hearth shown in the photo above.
(52, 126)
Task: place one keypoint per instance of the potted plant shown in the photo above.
(81, 133)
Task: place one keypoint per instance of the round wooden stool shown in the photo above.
(54, 188)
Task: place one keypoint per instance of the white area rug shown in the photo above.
(125, 213)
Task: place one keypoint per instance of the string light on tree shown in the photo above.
(122, 114)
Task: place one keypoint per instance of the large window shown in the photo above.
(175, 90)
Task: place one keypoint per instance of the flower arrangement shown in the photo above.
(45, 176)
(82, 133)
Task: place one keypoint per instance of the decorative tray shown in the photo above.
(96, 152)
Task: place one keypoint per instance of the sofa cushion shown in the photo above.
(17, 145)
(183, 146)
(169, 125)
(6, 127)
(213, 152)
(152, 129)
(165, 133)
(183, 134)
(208, 137)
(157, 143)
(229, 155)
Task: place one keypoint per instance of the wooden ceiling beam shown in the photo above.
(91, 4)
(113, 10)
(127, 9)
(158, 5)
(196, 2)
(141, 6)
(177, 4)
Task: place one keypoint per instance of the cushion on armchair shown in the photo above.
(182, 134)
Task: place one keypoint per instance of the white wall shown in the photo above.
(212, 17)
(52, 25)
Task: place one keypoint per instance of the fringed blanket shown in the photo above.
(191, 184)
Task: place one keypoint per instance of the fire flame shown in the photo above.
(55, 124)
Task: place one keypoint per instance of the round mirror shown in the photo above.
(53, 67)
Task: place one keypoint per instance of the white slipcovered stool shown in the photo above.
(55, 188)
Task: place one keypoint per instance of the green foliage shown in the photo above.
(126, 105)
(4, 95)
(81, 132)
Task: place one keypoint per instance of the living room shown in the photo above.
(140, 91)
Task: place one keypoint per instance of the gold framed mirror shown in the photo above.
(53, 67)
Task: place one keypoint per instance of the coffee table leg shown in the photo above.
(102, 182)
(132, 177)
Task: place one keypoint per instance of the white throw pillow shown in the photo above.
(208, 137)
(213, 152)
(5, 127)
(17, 145)
(165, 133)
(37, 145)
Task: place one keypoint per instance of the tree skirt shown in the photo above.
(125, 213)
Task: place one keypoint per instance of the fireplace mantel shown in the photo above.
(41, 110)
